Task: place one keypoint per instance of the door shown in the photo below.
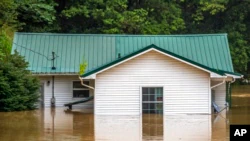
(152, 100)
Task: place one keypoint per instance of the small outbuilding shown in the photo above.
(131, 74)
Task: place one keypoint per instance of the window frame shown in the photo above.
(150, 86)
(86, 89)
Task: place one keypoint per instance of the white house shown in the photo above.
(131, 74)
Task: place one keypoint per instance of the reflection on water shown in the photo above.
(152, 127)
(241, 95)
(58, 124)
(20, 125)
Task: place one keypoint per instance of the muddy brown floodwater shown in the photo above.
(79, 124)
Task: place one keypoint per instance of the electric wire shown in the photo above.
(36, 52)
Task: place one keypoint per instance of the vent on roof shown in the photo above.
(119, 55)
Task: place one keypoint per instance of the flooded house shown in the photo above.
(131, 74)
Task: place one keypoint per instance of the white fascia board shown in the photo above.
(214, 75)
(93, 76)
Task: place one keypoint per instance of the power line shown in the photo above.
(37, 52)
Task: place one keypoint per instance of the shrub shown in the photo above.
(18, 87)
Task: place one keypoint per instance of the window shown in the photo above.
(152, 99)
(80, 91)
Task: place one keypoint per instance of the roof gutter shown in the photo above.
(224, 79)
(234, 76)
(85, 84)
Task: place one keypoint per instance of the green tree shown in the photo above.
(36, 15)
(8, 24)
(8, 14)
(18, 87)
(222, 16)
(120, 17)
(5, 45)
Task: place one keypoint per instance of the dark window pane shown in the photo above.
(145, 97)
(77, 84)
(152, 90)
(152, 98)
(152, 106)
(145, 106)
(144, 90)
(80, 93)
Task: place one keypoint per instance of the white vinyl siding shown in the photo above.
(220, 95)
(63, 91)
(186, 89)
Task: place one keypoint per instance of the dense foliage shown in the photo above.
(134, 17)
(18, 88)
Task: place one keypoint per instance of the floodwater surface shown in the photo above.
(80, 124)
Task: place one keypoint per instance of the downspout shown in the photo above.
(219, 84)
(233, 80)
(53, 100)
(85, 84)
(230, 99)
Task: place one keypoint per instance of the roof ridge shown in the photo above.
(121, 35)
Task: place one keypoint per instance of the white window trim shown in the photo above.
(72, 89)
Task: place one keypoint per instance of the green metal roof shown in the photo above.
(99, 50)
